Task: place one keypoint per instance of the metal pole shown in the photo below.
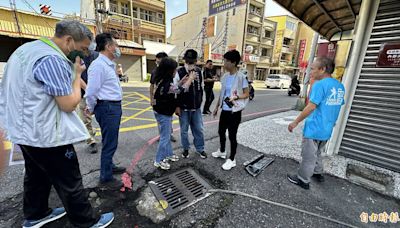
(131, 3)
(14, 9)
(310, 61)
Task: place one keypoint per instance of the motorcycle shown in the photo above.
(294, 90)
(251, 90)
(294, 87)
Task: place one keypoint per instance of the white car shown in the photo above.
(278, 81)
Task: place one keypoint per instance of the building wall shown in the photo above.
(122, 23)
(307, 34)
(280, 29)
(187, 26)
(284, 59)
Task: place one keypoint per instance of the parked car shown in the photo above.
(282, 81)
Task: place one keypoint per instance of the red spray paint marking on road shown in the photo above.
(127, 176)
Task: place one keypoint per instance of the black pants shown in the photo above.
(58, 167)
(229, 120)
(209, 99)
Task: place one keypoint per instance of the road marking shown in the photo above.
(136, 114)
(136, 109)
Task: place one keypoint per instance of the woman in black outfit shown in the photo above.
(165, 106)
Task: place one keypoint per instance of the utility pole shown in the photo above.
(14, 9)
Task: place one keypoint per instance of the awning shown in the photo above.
(327, 17)
(129, 47)
(152, 48)
(129, 43)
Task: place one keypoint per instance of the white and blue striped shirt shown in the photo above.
(55, 74)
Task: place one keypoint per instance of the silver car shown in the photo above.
(278, 81)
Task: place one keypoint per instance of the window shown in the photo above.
(266, 52)
(290, 25)
(287, 41)
(253, 30)
(152, 38)
(267, 34)
(125, 8)
(160, 18)
(134, 12)
(255, 10)
(114, 6)
(147, 15)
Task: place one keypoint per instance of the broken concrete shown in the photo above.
(148, 206)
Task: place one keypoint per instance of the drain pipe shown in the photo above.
(280, 205)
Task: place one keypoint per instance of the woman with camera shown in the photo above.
(164, 107)
(233, 99)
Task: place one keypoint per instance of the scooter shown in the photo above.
(251, 90)
(294, 90)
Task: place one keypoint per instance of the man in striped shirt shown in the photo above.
(40, 91)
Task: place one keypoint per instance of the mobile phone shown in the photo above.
(229, 103)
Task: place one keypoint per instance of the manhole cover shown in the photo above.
(179, 190)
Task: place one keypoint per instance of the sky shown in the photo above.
(174, 7)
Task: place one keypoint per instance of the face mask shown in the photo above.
(117, 53)
(73, 54)
(92, 46)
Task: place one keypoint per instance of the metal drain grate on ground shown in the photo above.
(179, 190)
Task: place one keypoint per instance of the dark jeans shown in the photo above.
(209, 98)
(229, 120)
(58, 167)
(108, 115)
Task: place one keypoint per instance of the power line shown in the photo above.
(29, 5)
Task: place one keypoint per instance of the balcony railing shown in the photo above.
(255, 18)
(259, 3)
(265, 59)
(287, 49)
(154, 3)
(267, 41)
(253, 37)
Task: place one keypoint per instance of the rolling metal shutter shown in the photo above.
(372, 133)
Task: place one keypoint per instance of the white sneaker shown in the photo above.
(229, 164)
(173, 158)
(162, 165)
(219, 154)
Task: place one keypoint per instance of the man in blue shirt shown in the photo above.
(321, 113)
(103, 98)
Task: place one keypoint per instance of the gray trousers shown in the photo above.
(311, 162)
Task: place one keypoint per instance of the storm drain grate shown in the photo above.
(179, 190)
